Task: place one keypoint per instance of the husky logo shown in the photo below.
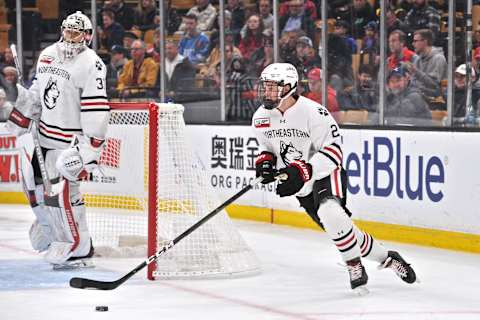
(51, 94)
(289, 153)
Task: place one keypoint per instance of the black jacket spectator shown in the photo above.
(424, 17)
(112, 33)
(306, 24)
(123, 13)
(144, 16)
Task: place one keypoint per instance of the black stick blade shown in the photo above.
(82, 283)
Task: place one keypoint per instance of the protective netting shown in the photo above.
(118, 197)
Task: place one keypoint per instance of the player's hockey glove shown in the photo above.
(265, 166)
(76, 162)
(298, 172)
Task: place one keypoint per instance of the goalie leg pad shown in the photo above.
(40, 236)
(69, 226)
(340, 228)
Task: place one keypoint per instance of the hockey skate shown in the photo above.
(401, 268)
(358, 276)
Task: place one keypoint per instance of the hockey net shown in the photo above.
(150, 189)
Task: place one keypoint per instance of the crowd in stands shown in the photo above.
(416, 62)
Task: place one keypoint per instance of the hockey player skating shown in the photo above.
(298, 137)
(68, 99)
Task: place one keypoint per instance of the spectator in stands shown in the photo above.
(123, 14)
(5, 106)
(7, 58)
(193, 45)
(112, 32)
(118, 60)
(393, 22)
(340, 70)
(431, 66)
(306, 56)
(179, 73)
(297, 19)
(10, 77)
(139, 74)
(265, 11)
(214, 59)
(238, 18)
(128, 38)
(460, 92)
(370, 43)
(241, 93)
(153, 49)
(308, 6)
(173, 19)
(205, 13)
(265, 14)
(341, 30)
(399, 52)
(404, 100)
(476, 66)
(362, 14)
(288, 44)
(314, 77)
(253, 38)
(144, 15)
(423, 16)
(261, 58)
(364, 95)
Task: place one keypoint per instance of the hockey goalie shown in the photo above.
(68, 102)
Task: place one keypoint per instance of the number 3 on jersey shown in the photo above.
(99, 83)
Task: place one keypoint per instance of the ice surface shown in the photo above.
(301, 279)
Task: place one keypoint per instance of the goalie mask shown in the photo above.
(77, 33)
(277, 82)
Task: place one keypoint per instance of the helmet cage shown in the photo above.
(80, 29)
(265, 99)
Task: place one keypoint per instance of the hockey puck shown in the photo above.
(101, 308)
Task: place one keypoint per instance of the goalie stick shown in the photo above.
(34, 130)
(83, 283)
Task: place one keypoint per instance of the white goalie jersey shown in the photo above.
(306, 131)
(73, 97)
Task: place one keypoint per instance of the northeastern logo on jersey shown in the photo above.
(46, 59)
(289, 153)
(51, 94)
(262, 122)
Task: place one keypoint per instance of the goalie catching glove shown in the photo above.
(298, 172)
(265, 167)
(82, 158)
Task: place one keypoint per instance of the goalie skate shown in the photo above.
(74, 265)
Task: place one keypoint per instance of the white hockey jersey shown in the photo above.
(73, 97)
(306, 131)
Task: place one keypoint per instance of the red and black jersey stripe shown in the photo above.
(94, 104)
(334, 153)
(57, 133)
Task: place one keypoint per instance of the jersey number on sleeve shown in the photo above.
(335, 132)
(99, 83)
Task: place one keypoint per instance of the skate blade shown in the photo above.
(361, 291)
(74, 265)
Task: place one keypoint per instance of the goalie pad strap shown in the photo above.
(19, 119)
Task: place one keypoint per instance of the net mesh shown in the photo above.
(117, 199)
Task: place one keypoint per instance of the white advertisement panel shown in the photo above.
(414, 178)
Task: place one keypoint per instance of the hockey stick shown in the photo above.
(82, 283)
(34, 131)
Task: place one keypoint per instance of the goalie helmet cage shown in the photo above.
(151, 189)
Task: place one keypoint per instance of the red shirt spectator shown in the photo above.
(399, 52)
(254, 37)
(315, 84)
